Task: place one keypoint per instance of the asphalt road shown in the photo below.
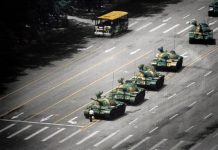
(44, 110)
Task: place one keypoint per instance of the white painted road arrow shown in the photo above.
(46, 118)
(72, 120)
(14, 117)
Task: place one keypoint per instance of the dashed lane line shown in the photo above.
(187, 130)
(170, 97)
(153, 130)
(184, 29)
(153, 108)
(186, 16)
(105, 139)
(176, 147)
(210, 92)
(148, 24)
(207, 74)
(70, 136)
(208, 116)
(212, 23)
(158, 144)
(122, 141)
(84, 49)
(132, 24)
(134, 52)
(6, 128)
(192, 104)
(21, 130)
(53, 134)
(214, 30)
(88, 137)
(201, 8)
(139, 143)
(190, 84)
(173, 116)
(195, 146)
(133, 121)
(36, 133)
(166, 20)
(41, 123)
(109, 50)
(173, 27)
(158, 27)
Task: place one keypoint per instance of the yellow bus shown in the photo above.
(111, 23)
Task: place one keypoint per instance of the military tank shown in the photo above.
(213, 8)
(148, 78)
(105, 107)
(128, 92)
(167, 60)
(200, 33)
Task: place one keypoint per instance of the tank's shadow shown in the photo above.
(203, 42)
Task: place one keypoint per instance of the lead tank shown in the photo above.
(148, 78)
(200, 33)
(128, 92)
(105, 107)
(167, 60)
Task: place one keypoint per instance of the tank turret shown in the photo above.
(105, 107)
(167, 60)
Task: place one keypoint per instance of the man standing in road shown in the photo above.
(91, 114)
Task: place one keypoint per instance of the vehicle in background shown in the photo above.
(128, 92)
(105, 107)
(213, 8)
(167, 60)
(148, 78)
(111, 23)
(200, 33)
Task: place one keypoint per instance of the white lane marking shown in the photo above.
(109, 50)
(173, 116)
(88, 137)
(36, 133)
(14, 117)
(153, 130)
(158, 27)
(184, 29)
(133, 121)
(190, 84)
(195, 146)
(167, 19)
(158, 144)
(192, 104)
(210, 92)
(42, 123)
(105, 139)
(184, 55)
(186, 16)
(201, 8)
(134, 51)
(208, 116)
(9, 126)
(177, 145)
(187, 130)
(132, 24)
(153, 108)
(173, 27)
(84, 49)
(214, 30)
(70, 136)
(53, 134)
(171, 96)
(212, 23)
(72, 120)
(122, 141)
(16, 133)
(139, 143)
(214, 147)
(208, 73)
(144, 26)
(46, 118)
